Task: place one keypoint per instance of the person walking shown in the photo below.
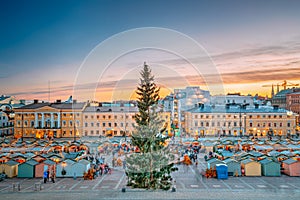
(52, 176)
(45, 176)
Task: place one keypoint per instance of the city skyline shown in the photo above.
(46, 45)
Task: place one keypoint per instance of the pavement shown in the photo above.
(190, 184)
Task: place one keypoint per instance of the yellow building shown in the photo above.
(48, 120)
(113, 120)
(234, 121)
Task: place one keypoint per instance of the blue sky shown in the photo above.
(48, 40)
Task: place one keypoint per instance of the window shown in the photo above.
(207, 124)
(98, 116)
(71, 123)
(280, 124)
(258, 125)
(116, 117)
(201, 116)
(92, 117)
(97, 132)
(250, 116)
(32, 124)
(280, 116)
(116, 124)
(109, 124)
(196, 116)
(98, 124)
(288, 124)
(275, 124)
(64, 123)
(250, 124)
(25, 123)
(103, 124)
(71, 132)
(258, 116)
(196, 123)
(269, 124)
(103, 116)
(234, 124)
(86, 124)
(218, 123)
(92, 132)
(92, 124)
(213, 124)
(115, 132)
(201, 123)
(121, 124)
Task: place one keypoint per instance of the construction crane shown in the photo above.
(283, 84)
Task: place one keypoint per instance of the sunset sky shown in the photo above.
(95, 49)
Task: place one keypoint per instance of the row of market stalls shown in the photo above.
(37, 165)
(30, 159)
(255, 158)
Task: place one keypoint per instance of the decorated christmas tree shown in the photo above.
(152, 165)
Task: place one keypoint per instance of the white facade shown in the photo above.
(6, 125)
(231, 99)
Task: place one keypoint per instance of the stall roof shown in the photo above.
(11, 163)
(289, 161)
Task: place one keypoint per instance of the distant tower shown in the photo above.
(272, 93)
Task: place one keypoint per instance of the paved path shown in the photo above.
(189, 184)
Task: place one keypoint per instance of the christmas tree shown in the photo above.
(152, 165)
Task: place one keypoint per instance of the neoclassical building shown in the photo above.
(113, 120)
(236, 120)
(42, 120)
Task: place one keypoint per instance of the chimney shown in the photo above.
(35, 101)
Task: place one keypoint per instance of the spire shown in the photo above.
(272, 93)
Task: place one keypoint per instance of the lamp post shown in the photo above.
(74, 126)
(245, 116)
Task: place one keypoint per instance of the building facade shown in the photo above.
(113, 120)
(235, 121)
(293, 104)
(182, 100)
(6, 124)
(49, 120)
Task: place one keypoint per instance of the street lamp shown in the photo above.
(74, 126)
(245, 116)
